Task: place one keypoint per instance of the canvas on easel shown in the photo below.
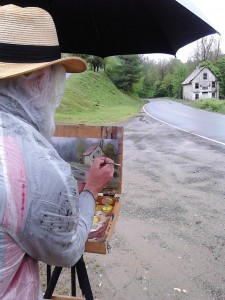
(79, 145)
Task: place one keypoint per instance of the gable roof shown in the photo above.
(195, 73)
(91, 149)
(192, 75)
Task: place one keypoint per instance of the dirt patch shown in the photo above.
(169, 241)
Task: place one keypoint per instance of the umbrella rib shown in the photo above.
(93, 20)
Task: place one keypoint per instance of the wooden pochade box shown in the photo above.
(88, 142)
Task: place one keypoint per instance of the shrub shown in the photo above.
(212, 105)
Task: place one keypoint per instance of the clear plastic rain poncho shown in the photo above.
(42, 216)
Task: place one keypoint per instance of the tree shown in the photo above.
(207, 48)
(80, 149)
(95, 62)
(83, 56)
(110, 151)
(159, 90)
(127, 72)
(212, 66)
(220, 65)
(150, 77)
(167, 85)
(110, 64)
(179, 75)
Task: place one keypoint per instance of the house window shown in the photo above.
(196, 96)
(205, 76)
(197, 85)
(213, 84)
(213, 95)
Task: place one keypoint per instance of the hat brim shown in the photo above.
(71, 64)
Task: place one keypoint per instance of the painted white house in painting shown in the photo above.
(202, 83)
(91, 153)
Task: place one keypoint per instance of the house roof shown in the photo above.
(90, 149)
(192, 75)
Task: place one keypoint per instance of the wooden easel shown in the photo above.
(100, 246)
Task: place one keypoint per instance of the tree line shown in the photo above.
(137, 74)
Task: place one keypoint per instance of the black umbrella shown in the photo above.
(111, 27)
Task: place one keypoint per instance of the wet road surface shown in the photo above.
(199, 122)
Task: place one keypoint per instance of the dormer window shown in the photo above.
(205, 76)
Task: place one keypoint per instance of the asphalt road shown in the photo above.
(169, 241)
(199, 122)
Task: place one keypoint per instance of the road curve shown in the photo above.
(202, 123)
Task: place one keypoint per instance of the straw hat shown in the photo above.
(28, 42)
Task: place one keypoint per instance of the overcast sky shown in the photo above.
(214, 12)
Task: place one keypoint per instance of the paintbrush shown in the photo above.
(115, 164)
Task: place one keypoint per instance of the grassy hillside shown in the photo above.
(91, 98)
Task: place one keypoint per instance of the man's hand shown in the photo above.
(100, 173)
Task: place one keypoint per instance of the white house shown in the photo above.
(91, 153)
(202, 83)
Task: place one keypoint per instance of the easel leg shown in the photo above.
(52, 283)
(73, 281)
(49, 274)
(82, 276)
(83, 279)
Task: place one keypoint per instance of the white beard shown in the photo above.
(39, 93)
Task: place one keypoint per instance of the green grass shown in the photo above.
(91, 98)
(214, 105)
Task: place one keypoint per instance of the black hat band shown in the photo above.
(13, 53)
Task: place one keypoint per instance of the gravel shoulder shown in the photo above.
(169, 241)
